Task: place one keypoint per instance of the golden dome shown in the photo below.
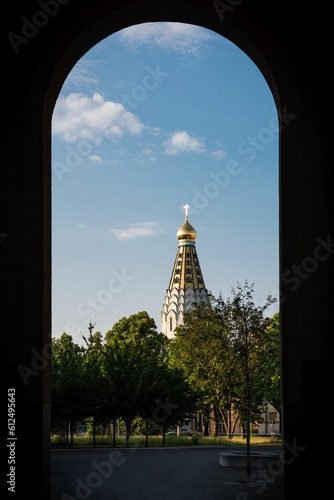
(186, 232)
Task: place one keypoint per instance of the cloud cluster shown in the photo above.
(219, 154)
(176, 37)
(82, 74)
(182, 142)
(78, 117)
(135, 230)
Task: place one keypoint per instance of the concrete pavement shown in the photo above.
(178, 473)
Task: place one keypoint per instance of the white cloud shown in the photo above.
(219, 154)
(95, 158)
(186, 39)
(149, 153)
(135, 230)
(182, 142)
(81, 75)
(78, 117)
(81, 226)
(155, 131)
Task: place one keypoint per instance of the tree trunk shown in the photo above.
(67, 431)
(94, 432)
(249, 471)
(163, 434)
(128, 424)
(71, 433)
(146, 433)
(114, 433)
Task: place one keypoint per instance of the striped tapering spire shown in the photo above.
(186, 286)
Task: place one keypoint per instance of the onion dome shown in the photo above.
(186, 231)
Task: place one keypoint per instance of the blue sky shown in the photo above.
(154, 117)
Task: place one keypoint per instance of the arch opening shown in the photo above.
(212, 187)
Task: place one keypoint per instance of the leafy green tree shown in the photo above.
(140, 380)
(247, 327)
(201, 348)
(132, 345)
(230, 352)
(174, 400)
(124, 367)
(68, 384)
(138, 329)
(270, 362)
(97, 398)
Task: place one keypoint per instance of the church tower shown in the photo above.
(186, 286)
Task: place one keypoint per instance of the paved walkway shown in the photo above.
(184, 473)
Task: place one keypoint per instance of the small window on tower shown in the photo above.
(171, 323)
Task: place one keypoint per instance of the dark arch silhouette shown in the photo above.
(42, 40)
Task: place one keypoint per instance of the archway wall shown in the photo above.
(36, 69)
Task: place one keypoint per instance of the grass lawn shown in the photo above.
(139, 441)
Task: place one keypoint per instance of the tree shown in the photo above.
(270, 362)
(201, 348)
(138, 329)
(132, 348)
(68, 385)
(140, 381)
(96, 386)
(230, 351)
(175, 400)
(124, 368)
(247, 326)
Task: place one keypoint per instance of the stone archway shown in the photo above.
(52, 36)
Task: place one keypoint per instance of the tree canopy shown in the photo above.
(222, 363)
